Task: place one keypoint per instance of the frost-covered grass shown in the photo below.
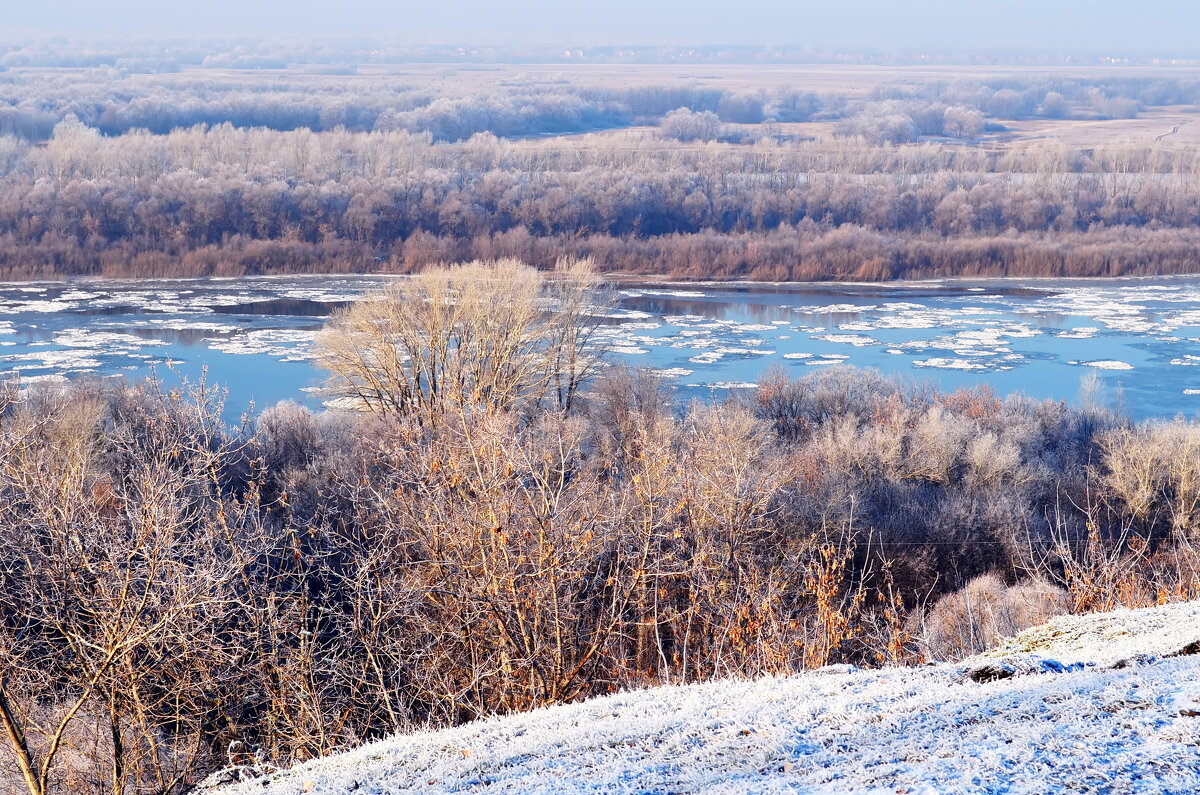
(1105, 639)
(1103, 703)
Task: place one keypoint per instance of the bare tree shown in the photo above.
(110, 587)
(492, 335)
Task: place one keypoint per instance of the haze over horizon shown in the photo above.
(1117, 27)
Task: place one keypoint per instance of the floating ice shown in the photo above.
(835, 309)
(1108, 364)
(675, 293)
(857, 340)
(1081, 333)
(173, 324)
(728, 385)
(46, 307)
(628, 314)
(110, 342)
(293, 344)
(69, 360)
(949, 364)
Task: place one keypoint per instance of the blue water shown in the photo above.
(1037, 337)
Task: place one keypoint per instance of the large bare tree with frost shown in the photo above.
(490, 335)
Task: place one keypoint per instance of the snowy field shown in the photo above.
(1102, 704)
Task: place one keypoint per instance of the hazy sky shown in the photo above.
(1093, 26)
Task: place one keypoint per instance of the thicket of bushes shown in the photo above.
(177, 595)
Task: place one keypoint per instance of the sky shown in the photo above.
(1136, 27)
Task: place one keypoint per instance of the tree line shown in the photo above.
(221, 200)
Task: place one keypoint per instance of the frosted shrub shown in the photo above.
(975, 618)
(1154, 471)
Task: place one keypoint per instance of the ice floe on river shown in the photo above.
(1108, 364)
(285, 344)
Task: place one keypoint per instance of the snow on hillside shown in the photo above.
(1108, 638)
(1104, 703)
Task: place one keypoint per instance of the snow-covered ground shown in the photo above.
(1103, 703)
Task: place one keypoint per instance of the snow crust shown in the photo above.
(1102, 703)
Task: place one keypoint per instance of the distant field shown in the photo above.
(1167, 127)
(854, 80)
(851, 80)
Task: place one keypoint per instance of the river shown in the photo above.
(254, 335)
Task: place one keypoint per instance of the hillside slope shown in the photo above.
(1099, 703)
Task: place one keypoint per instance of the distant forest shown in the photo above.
(180, 163)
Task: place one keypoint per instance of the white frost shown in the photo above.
(1098, 704)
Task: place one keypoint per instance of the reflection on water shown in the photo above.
(710, 307)
(294, 307)
(113, 310)
(1037, 336)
